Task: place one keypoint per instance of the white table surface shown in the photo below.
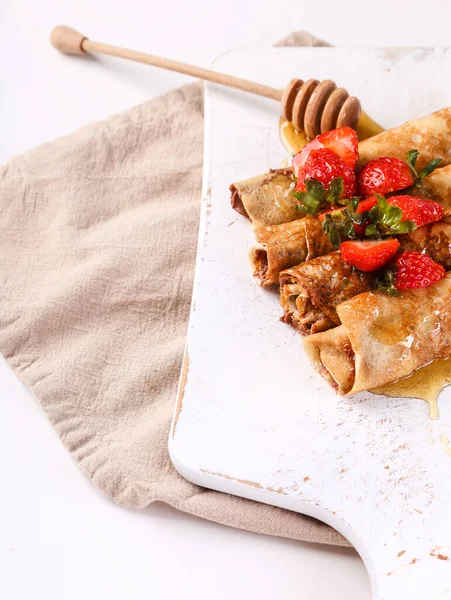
(60, 539)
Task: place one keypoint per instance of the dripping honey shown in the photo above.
(425, 383)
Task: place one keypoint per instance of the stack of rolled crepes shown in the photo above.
(357, 339)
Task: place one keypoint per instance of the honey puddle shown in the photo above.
(426, 384)
(293, 139)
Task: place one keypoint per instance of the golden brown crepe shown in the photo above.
(384, 338)
(437, 186)
(430, 135)
(266, 199)
(433, 239)
(310, 293)
(281, 246)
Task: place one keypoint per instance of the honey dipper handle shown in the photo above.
(67, 40)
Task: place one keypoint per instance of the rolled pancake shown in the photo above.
(384, 338)
(266, 199)
(281, 246)
(437, 186)
(310, 293)
(430, 135)
(433, 239)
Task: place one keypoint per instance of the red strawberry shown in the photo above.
(421, 212)
(324, 166)
(358, 228)
(300, 158)
(369, 255)
(363, 206)
(342, 141)
(416, 270)
(366, 205)
(384, 175)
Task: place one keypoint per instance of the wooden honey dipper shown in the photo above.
(312, 106)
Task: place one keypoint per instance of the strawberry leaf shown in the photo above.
(429, 168)
(336, 189)
(386, 220)
(371, 231)
(411, 160)
(339, 226)
(312, 200)
(315, 199)
(385, 282)
(355, 202)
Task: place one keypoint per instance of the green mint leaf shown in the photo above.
(428, 169)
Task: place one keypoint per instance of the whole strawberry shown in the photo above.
(325, 166)
(416, 270)
(386, 174)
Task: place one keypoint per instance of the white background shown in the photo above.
(60, 539)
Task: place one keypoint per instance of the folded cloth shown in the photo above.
(98, 239)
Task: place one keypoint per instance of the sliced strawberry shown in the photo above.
(384, 175)
(343, 142)
(324, 166)
(421, 212)
(366, 205)
(300, 158)
(369, 255)
(416, 270)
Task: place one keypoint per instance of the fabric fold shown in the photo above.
(99, 236)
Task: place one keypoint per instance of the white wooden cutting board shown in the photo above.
(252, 418)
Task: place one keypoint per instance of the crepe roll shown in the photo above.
(437, 186)
(281, 246)
(433, 239)
(310, 292)
(266, 199)
(383, 338)
(430, 135)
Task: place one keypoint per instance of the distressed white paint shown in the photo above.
(253, 409)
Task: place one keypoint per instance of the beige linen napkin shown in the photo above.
(98, 242)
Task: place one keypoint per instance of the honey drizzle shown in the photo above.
(294, 140)
(425, 383)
